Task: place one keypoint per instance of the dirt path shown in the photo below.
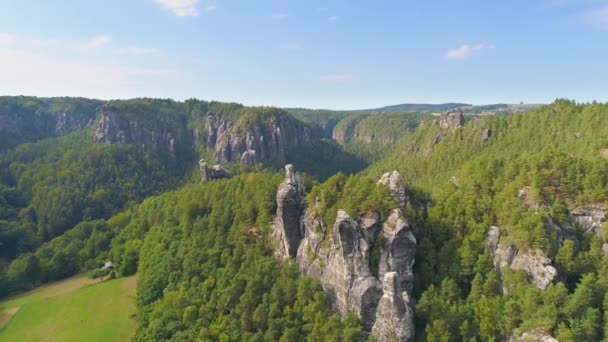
(7, 314)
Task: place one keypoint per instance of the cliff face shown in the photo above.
(250, 143)
(26, 119)
(114, 128)
(533, 261)
(340, 256)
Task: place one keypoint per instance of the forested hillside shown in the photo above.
(491, 228)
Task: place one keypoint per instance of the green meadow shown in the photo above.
(77, 309)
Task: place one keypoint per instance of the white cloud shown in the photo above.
(333, 18)
(597, 17)
(211, 8)
(43, 74)
(97, 42)
(336, 78)
(7, 38)
(181, 8)
(45, 42)
(465, 51)
(135, 50)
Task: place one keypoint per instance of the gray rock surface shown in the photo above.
(452, 119)
(114, 128)
(535, 335)
(533, 261)
(395, 318)
(249, 143)
(394, 182)
(287, 231)
(590, 218)
(397, 251)
(339, 256)
(212, 173)
(486, 134)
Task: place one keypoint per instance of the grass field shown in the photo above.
(77, 309)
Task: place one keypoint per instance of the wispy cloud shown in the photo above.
(97, 42)
(211, 8)
(597, 17)
(42, 73)
(280, 15)
(181, 8)
(7, 38)
(338, 78)
(136, 50)
(333, 18)
(465, 51)
(45, 42)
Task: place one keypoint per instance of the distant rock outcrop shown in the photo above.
(533, 261)
(260, 141)
(114, 128)
(486, 133)
(394, 182)
(452, 119)
(212, 173)
(590, 218)
(535, 335)
(340, 257)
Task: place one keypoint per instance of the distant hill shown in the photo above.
(416, 107)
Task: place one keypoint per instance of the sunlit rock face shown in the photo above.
(340, 256)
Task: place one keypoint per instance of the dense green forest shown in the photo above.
(203, 254)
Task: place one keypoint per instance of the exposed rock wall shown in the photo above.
(532, 261)
(340, 256)
(290, 205)
(452, 119)
(114, 128)
(236, 142)
(27, 119)
(212, 173)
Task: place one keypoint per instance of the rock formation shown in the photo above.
(290, 206)
(114, 128)
(486, 134)
(590, 218)
(394, 182)
(340, 257)
(535, 335)
(534, 262)
(250, 143)
(27, 119)
(452, 119)
(212, 173)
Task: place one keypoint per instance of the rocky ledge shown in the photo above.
(340, 256)
(251, 143)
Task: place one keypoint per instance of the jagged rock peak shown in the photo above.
(212, 173)
(291, 202)
(395, 183)
(397, 253)
(452, 119)
(339, 255)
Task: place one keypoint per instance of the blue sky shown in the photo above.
(341, 54)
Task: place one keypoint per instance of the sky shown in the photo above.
(336, 54)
